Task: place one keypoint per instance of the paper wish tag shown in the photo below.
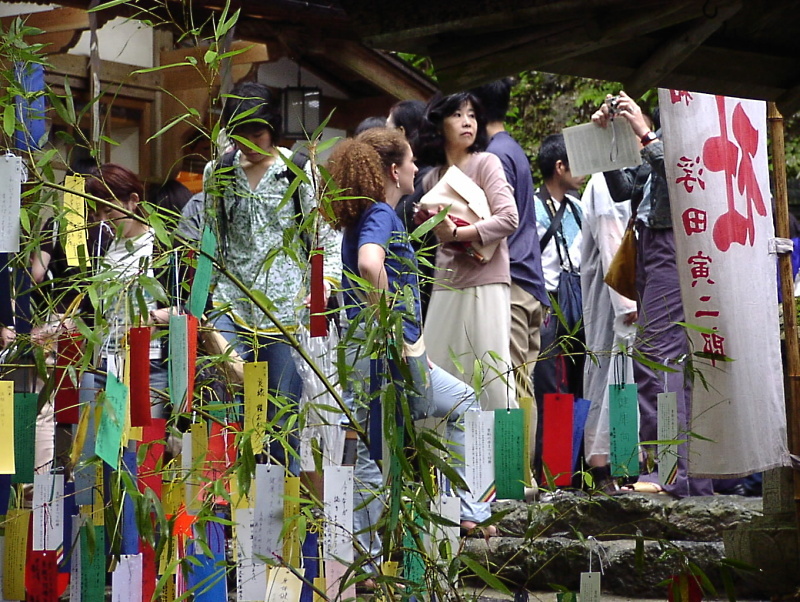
(479, 456)
(623, 418)
(510, 445)
(590, 587)
(668, 430)
(283, 585)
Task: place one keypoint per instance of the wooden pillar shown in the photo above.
(775, 120)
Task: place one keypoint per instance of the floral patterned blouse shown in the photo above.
(262, 249)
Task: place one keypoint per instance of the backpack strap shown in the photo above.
(555, 220)
(300, 159)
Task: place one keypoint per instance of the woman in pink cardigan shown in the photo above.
(469, 313)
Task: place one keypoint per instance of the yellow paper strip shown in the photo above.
(7, 461)
(319, 583)
(97, 511)
(80, 435)
(255, 402)
(75, 213)
(527, 404)
(16, 546)
(291, 508)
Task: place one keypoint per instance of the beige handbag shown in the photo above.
(466, 202)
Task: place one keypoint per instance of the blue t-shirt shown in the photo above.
(380, 225)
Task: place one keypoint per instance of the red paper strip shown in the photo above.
(319, 321)
(149, 576)
(557, 436)
(41, 576)
(139, 340)
(66, 398)
(191, 364)
(150, 469)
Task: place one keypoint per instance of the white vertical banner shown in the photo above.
(716, 167)
(268, 512)
(337, 541)
(251, 576)
(48, 511)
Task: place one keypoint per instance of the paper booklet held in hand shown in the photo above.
(467, 204)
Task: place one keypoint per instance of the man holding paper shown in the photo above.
(660, 338)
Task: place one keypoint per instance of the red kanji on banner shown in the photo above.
(735, 159)
(695, 221)
(700, 269)
(689, 178)
(714, 344)
(678, 96)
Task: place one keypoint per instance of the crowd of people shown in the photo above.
(477, 299)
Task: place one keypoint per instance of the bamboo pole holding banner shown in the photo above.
(775, 120)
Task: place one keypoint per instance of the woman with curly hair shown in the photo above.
(374, 171)
(469, 316)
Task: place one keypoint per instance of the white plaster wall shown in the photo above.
(122, 41)
(283, 73)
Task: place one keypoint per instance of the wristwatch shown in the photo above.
(648, 138)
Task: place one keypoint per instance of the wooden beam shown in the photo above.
(248, 52)
(110, 72)
(56, 42)
(576, 35)
(678, 49)
(52, 21)
(372, 67)
(411, 38)
(189, 77)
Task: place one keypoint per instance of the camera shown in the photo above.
(612, 103)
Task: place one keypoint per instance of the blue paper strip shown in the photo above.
(207, 579)
(130, 532)
(375, 422)
(310, 564)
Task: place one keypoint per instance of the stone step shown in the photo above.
(577, 516)
(542, 544)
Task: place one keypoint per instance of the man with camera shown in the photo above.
(660, 338)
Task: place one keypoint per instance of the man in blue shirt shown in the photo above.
(528, 294)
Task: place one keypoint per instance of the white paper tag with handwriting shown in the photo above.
(668, 430)
(479, 456)
(590, 587)
(126, 580)
(10, 195)
(268, 512)
(48, 511)
(251, 577)
(337, 542)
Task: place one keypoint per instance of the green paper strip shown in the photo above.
(24, 436)
(623, 429)
(413, 561)
(510, 446)
(112, 422)
(93, 563)
(202, 274)
(178, 361)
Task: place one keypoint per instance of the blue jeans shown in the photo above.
(284, 384)
(449, 398)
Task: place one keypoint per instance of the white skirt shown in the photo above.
(474, 323)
